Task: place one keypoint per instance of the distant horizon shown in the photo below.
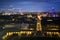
(35, 11)
(29, 6)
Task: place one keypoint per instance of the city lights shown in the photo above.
(29, 19)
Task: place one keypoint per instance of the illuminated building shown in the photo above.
(50, 26)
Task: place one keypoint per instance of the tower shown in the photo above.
(39, 27)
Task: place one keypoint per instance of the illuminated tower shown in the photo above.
(39, 27)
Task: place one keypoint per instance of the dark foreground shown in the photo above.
(36, 38)
(15, 37)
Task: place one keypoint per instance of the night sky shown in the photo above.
(30, 5)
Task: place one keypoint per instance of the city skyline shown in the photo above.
(30, 5)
